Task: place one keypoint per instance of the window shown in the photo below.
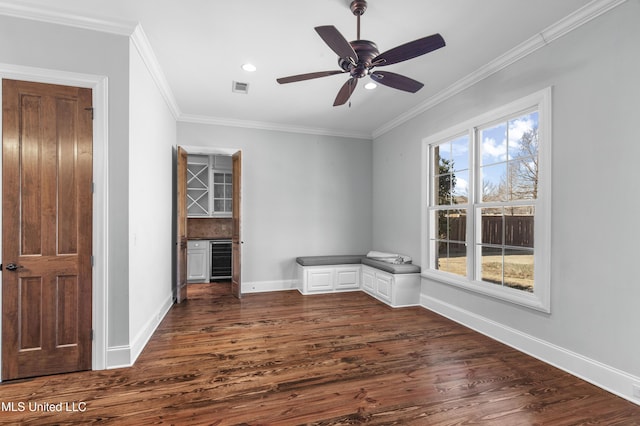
(486, 207)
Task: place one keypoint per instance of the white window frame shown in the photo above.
(540, 298)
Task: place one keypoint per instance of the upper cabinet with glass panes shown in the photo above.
(209, 186)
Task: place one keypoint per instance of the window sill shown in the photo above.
(518, 297)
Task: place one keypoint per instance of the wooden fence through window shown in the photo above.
(518, 230)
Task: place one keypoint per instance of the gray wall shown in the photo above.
(48, 46)
(302, 195)
(594, 287)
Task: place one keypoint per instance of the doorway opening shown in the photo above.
(208, 195)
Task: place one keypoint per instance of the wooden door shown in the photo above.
(236, 241)
(46, 229)
(181, 226)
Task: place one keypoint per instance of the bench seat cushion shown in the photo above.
(349, 259)
(346, 259)
(393, 268)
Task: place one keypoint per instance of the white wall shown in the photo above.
(53, 47)
(594, 290)
(302, 195)
(152, 137)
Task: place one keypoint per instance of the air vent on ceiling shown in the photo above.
(239, 87)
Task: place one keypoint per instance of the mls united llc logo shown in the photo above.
(31, 406)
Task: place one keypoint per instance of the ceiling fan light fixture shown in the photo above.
(249, 67)
(370, 85)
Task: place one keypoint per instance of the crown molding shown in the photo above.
(133, 30)
(142, 45)
(564, 26)
(579, 18)
(276, 127)
(56, 16)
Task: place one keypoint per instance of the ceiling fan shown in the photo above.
(359, 57)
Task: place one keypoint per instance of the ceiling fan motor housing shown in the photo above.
(358, 7)
(366, 51)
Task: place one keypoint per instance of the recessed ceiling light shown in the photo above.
(249, 67)
(370, 85)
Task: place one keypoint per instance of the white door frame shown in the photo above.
(211, 150)
(99, 86)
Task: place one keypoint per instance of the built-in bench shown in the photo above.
(394, 284)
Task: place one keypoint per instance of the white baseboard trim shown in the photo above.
(125, 355)
(118, 356)
(265, 286)
(606, 377)
(142, 338)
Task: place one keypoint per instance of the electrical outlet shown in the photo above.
(636, 391)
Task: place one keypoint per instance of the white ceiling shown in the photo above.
(201, 45)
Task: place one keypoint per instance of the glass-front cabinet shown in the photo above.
(222, 190)
(209, 188)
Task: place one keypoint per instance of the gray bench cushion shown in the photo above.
(393, 268)
(347, 259)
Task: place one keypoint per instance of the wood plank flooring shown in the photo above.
(287, 359)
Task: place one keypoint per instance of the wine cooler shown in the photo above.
(220, 260)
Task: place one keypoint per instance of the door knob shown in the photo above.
(12, 267)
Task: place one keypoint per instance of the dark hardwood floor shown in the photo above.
(286, 359)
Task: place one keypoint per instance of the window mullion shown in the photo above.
(471, 212)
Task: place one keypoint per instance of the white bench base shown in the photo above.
(396, 290)
(328, 278)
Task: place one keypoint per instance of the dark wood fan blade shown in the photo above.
(309, 76)
(396, 81)
(345, 92)
(337, 42)
(409, 50)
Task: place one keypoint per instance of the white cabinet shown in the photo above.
(384, 285)
(347, 277)
(198, 258)
(393, 289)
(369, 280)
(319, 279)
